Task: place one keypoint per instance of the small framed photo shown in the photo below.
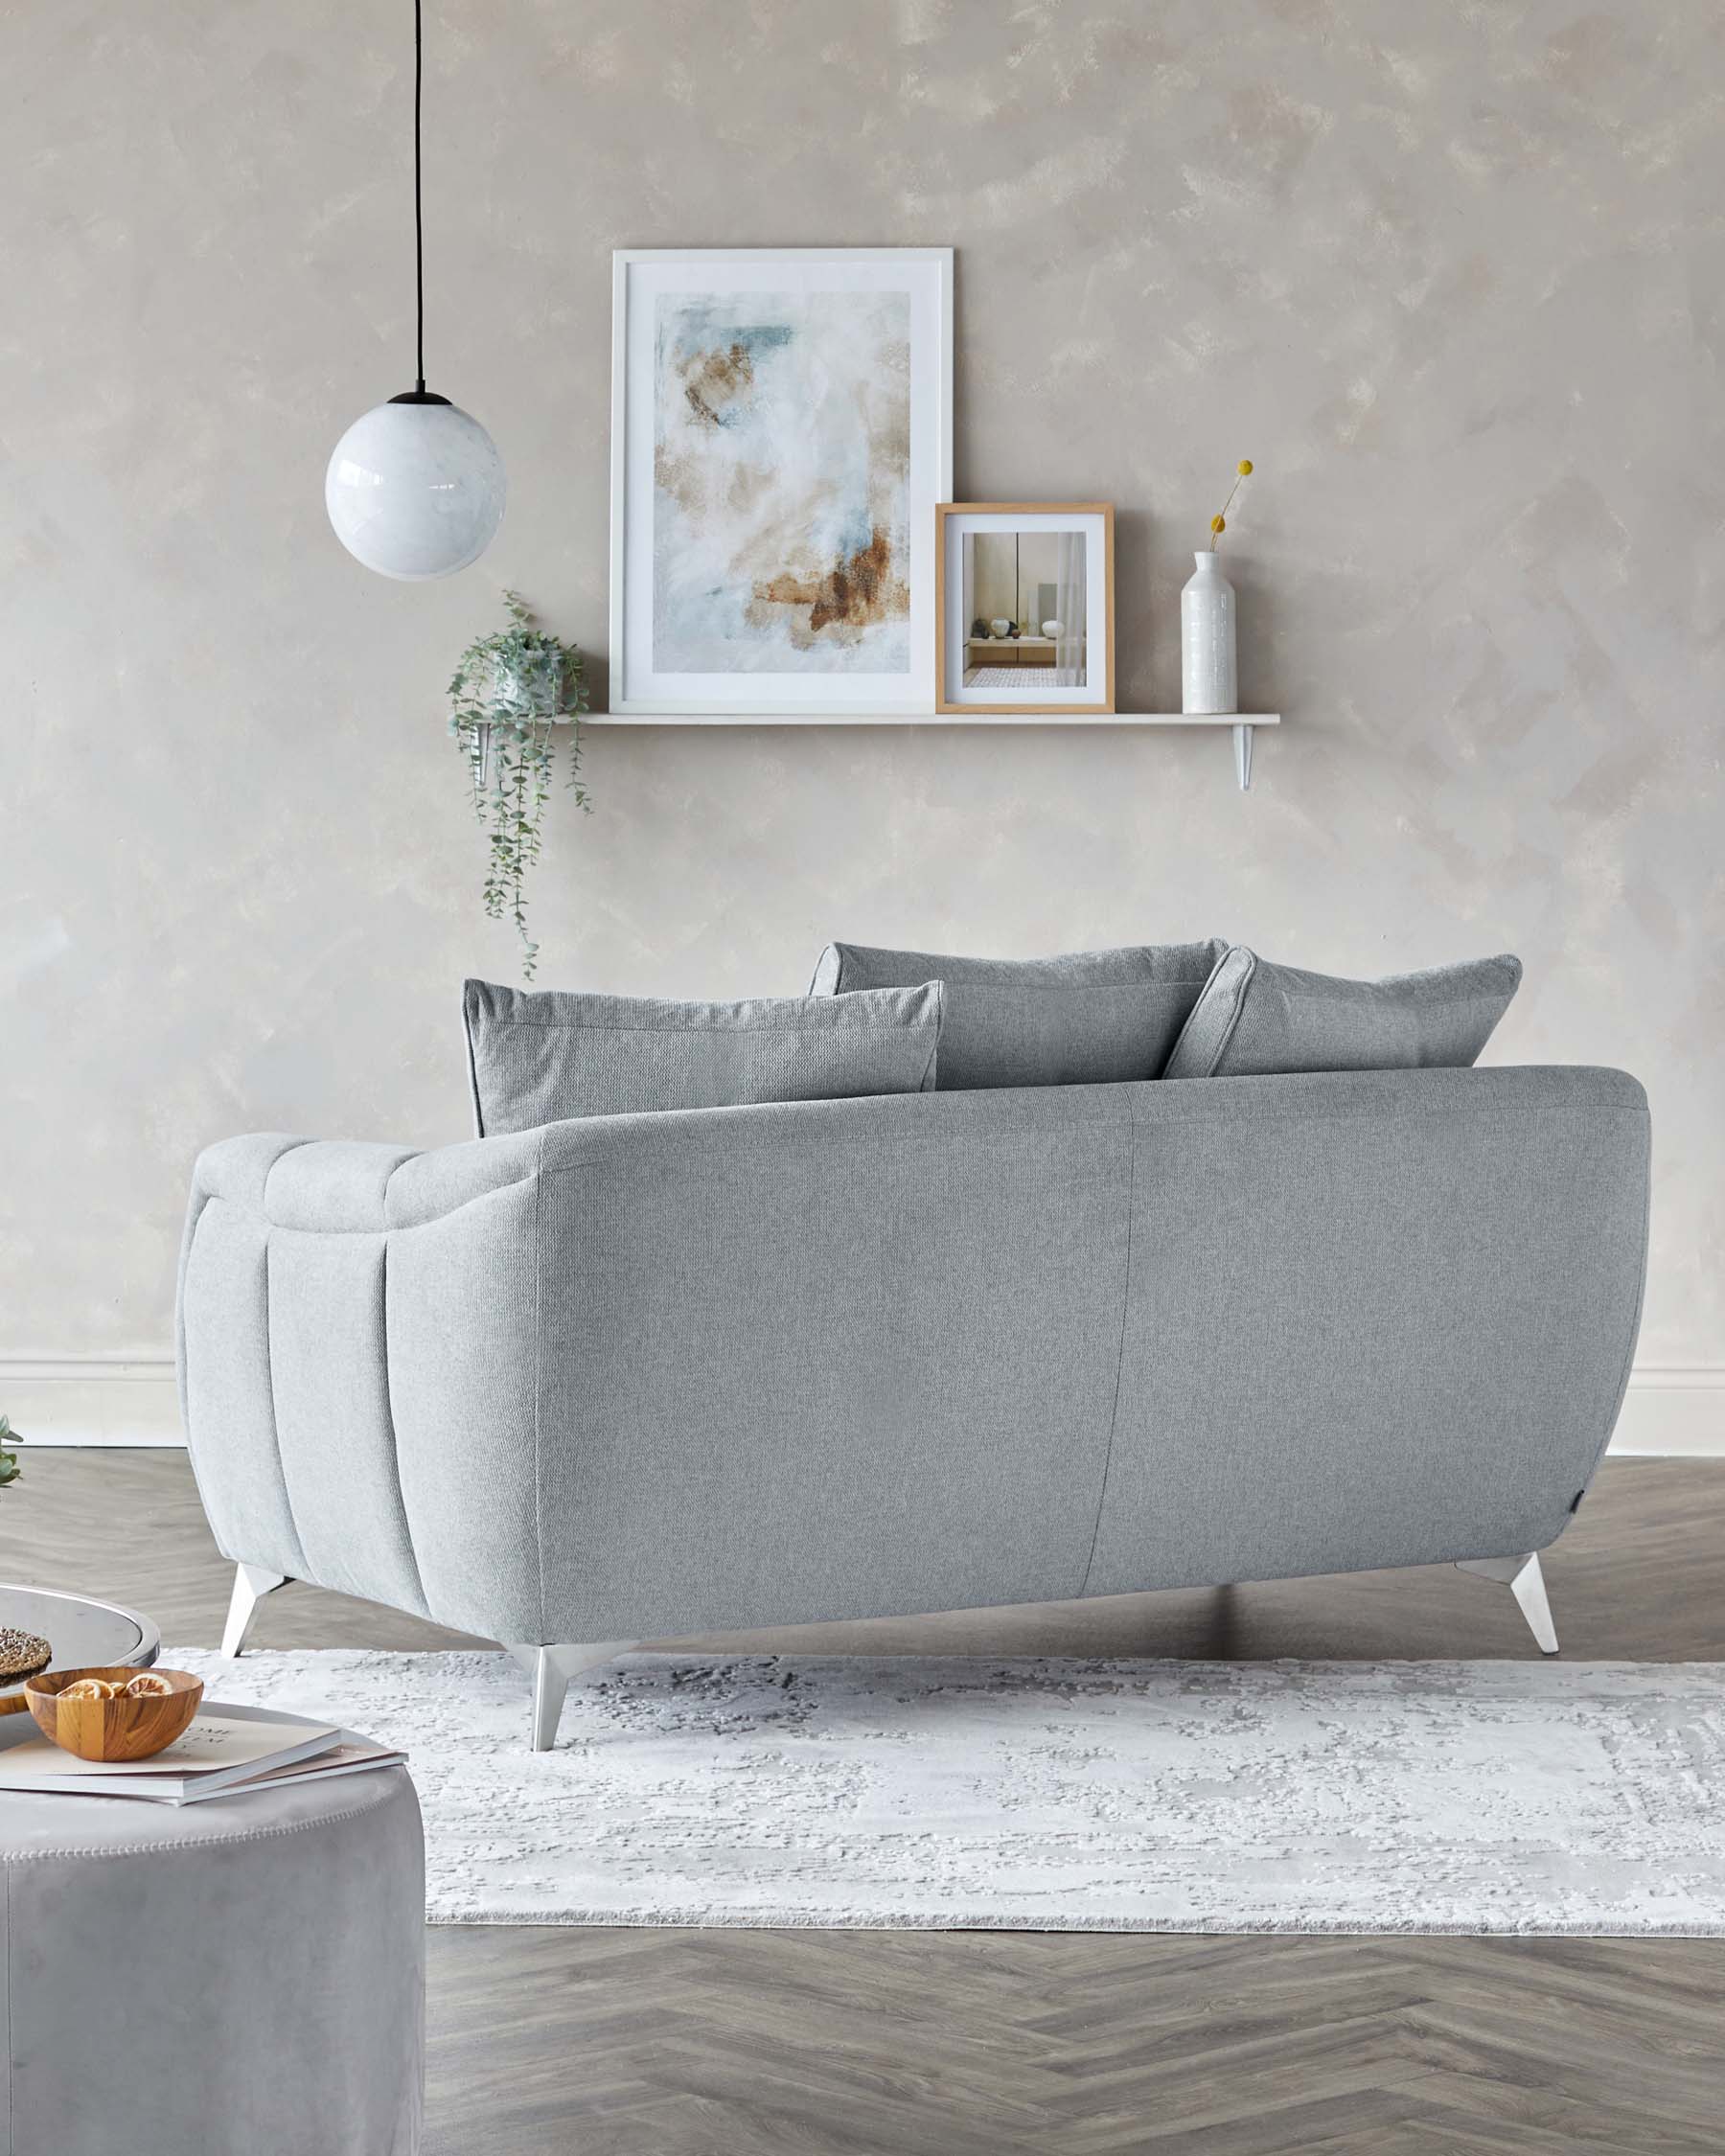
(1024, 608)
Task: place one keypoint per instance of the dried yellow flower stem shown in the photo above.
(1219, 523)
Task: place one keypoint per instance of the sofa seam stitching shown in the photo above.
(275, 1416)
(1114, 1412)
(389, 1418)
(297, 1145)
(538, 1374)
(1599, 1104)
(389, 1226)
(923, 1137)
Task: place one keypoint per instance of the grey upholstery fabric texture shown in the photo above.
(1254, 1020)
(1086, 1019)
(767, 1364)
(232, 1976)
(539, 1056)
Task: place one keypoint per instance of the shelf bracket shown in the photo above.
(1243, 757)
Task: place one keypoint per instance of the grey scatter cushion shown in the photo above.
(1088, 1019)
(540, 1057)
(1254, 1020)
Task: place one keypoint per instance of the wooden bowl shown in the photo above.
(118, 1728)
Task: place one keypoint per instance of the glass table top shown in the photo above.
(81, 1631)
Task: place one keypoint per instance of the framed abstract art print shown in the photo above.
(781, 432)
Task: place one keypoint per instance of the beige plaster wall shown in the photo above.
(1452, 275)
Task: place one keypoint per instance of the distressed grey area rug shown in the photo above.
(1513, 1797)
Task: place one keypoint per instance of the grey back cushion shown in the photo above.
(1091, 1018)
(541, 1056)
(1254, 1020)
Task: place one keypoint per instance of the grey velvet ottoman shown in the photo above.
(243, 1976)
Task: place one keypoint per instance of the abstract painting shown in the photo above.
(782, 483)
(782, 433)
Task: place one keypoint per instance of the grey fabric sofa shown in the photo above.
(639, 1376)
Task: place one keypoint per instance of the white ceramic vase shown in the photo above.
(1207, 674)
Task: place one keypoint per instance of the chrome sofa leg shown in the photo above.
(251, 1583)
(1525, 1581)
(551, 1668)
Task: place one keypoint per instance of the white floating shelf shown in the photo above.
(1242, 723)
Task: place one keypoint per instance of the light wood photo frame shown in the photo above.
(995, 635)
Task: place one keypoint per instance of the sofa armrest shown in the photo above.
(357, 1344)
(345, 1185)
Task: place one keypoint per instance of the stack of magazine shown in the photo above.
(226, 1751)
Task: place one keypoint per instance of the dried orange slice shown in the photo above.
(146, 1682)
(90, 1687)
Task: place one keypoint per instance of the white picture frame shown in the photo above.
(660, 553)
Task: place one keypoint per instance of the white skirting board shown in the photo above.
(1672, 1409)
(91, 1399)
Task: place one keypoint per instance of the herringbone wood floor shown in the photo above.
(638, 2043)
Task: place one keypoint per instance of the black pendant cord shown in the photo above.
(419, 218)
(419, 394)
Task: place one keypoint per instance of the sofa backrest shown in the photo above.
(642, 1376)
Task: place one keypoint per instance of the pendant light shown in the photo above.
(416, 489)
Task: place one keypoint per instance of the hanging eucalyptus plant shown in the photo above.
(9, 1470)
(509, 691)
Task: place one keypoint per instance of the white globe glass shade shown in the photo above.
(415, 490)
